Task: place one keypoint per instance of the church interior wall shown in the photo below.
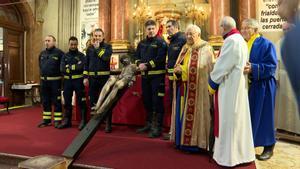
(50, 25)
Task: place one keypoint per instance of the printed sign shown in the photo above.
(88, 20)
(268, 17)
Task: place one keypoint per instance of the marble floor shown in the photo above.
(286, 156)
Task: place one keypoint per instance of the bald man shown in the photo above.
(233, 134)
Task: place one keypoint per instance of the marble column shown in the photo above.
(104, 18)
(119, 24)
(247, 9)
(219, 9)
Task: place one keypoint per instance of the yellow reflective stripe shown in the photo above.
(211, 90)
(152, 63)
(57, 113)
(73, 77)
(85, 72)
(57, 118)
(47, 113)
(99, 73)
(68, 70)
(170, 70)
(47, 117)
(83, 99)
(155, 72)
(171, 77)
(58, 97)
(73, 67)
(161, 94)
(51, 78)
(101, 52)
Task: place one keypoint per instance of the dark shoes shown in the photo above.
(108, 129)
(155, 133)
(267, 153)
(166, 136)
(56, 124)
(65, 125)
(81, 125)
(44, 124)
(144, 129)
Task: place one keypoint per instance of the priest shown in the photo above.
(233, 134)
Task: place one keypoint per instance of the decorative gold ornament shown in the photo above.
(167, 10)
(141, 13)
(198, 12)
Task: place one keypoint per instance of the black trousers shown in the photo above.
(76, 85)
(51, 94)
(153, 90)
(95, 86)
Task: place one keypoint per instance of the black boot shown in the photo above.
(267, 153)
(56, 124)
(66, 123)
(108, 128)
(166, 136)
(83, 120)
(155, 132)
(146, 128)
(44, 124)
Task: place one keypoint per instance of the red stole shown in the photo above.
(191, 94)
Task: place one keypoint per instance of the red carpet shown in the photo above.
(122, 149)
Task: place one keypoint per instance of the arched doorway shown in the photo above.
(13, 28)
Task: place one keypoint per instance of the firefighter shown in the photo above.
(150, 59)
(72, 65)
(97, 69)
(49, 62)
(176, 41)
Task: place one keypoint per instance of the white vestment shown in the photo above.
(234, 144)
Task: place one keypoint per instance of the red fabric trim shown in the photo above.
(160, 31)
(191, 98)
(233, 31)
(182, 88)
(4, 99)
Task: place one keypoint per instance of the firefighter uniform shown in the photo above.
(152, 52)
(72, 66)
(176, 43)
(49, 62)
(97, 69)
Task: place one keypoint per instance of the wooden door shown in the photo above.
(13, 64)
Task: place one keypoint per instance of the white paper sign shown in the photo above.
(89, 19)
(268, 17)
